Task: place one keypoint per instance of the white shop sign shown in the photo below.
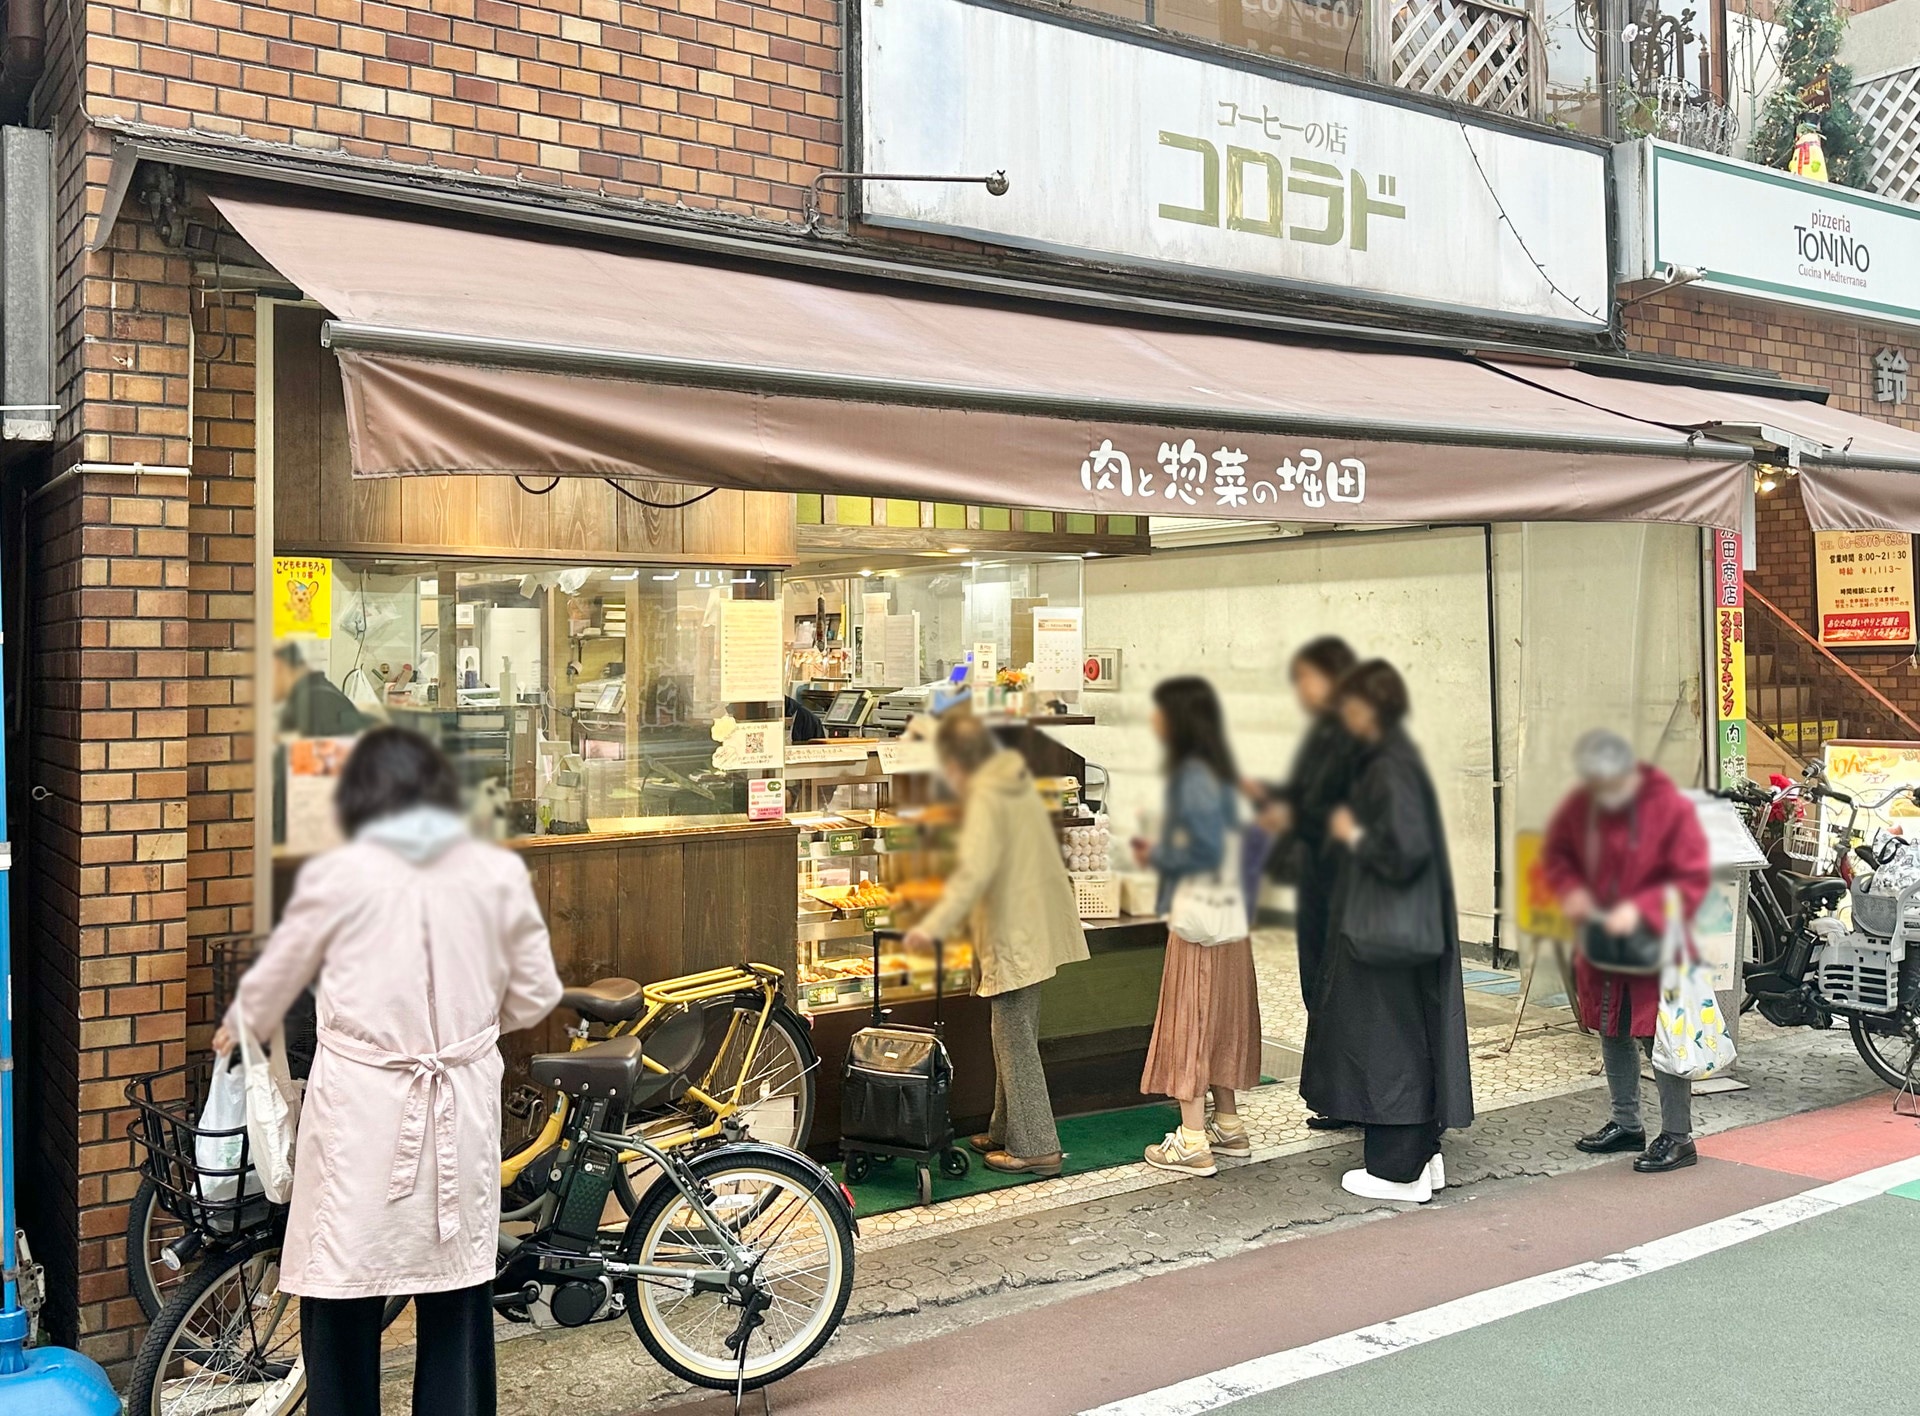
(1118, 147)
(1766, 234)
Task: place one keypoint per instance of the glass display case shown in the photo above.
(571, 699)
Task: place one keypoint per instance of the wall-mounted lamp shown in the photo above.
(995, 182)
(1671, 278)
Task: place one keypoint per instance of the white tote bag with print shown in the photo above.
(273, 1112)
(1210, 909)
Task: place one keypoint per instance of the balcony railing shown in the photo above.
(1483, 52)
(1888, 106)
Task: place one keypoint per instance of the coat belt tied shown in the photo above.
(431, 1091)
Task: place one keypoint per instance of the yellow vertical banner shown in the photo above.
(302, 597)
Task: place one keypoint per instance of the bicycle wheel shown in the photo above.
(776, 1095)
(227, 1340)
(150, 1229)
(1890, 1047)
(798, 1287)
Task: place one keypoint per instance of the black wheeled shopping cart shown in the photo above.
(895, 1095)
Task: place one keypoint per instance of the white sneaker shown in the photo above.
(1371, 1187)
(1437, 1172)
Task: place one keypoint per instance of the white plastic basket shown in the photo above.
(1097, 896)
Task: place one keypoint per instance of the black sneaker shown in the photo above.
(1610, 1138)
(1668, 1152)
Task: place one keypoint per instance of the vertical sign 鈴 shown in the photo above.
(1729, 658)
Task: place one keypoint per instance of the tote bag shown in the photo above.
(1690, 1038)
(273, 1111)
(1210, 909)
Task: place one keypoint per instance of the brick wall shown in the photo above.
(220, 643)
(1808, 348)
(730, 105)
(109, 869)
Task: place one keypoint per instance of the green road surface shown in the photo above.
(1821, 1318)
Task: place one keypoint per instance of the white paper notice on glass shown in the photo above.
(752, 661)
(766, 799)
(906, 755)
(900, 650)
(986, 663)
(753, 747)
(1059, 649)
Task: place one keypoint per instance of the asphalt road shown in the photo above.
(1747, 1287)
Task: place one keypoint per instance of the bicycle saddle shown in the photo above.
(607, 1000)
(604, 1069)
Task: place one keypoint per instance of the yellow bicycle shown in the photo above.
(731, 1028)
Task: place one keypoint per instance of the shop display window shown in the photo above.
(571, 699)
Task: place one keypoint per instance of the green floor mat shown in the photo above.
(1095, 1142)
(1908, 1191)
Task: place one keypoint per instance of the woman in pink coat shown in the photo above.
(426, 946)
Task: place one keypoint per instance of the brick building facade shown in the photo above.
(141, 529)
(1807, 347)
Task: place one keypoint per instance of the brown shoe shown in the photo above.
(983, 1143)
(1045, 1166)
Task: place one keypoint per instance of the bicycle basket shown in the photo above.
(220, 1199)
(1804, 840)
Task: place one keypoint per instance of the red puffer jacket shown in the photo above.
(1635, 854)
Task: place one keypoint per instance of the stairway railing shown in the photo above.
(1805, 696)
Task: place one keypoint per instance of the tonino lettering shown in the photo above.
(1822, 246)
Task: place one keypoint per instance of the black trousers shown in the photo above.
(453, 1363)
(1400, 1153)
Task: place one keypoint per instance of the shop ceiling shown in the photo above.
(469, 350)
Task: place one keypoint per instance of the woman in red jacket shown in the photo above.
(1621, 846)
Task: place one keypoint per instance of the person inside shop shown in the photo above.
(428, 945)
(803, 724)
(1387, 1039)
(1206, 1032)
(310, 703)
(1624, 851)
(1011, 891)
(1294, 813)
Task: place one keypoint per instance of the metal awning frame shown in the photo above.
(926, 393)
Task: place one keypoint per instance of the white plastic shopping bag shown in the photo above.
(272, 1105)
(225, 1111)
(1690, 1037)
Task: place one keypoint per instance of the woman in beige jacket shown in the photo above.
(1012, 886)
(425, 946)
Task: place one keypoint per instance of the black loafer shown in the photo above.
(1610, 1138)
(1329, 1123)
(1667, 1152)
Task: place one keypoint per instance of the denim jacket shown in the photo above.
(1201, 810)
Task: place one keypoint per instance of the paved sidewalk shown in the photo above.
(913, 1287)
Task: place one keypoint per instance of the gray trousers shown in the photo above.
(1022, 1111)
(1622, 1058)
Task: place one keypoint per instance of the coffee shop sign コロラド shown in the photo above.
(1122, 148)
(1766, 234)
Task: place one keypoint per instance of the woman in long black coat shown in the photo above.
(1387, 1045)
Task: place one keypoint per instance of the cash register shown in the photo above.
(850, 711)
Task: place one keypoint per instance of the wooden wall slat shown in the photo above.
(320, 509)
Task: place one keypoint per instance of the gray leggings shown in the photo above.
(1622, 1058)
(1022, 1111)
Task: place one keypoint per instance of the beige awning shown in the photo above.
(1856, 474)
(487, 351)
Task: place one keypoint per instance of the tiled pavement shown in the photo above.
(1056, 1238)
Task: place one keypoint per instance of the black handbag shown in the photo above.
(1394, 927)
(1641, 952)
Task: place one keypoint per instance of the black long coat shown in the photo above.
(1385, 1046)
(1306, 857)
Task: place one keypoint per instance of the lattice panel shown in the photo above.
(1471, 51)
(1889, 107)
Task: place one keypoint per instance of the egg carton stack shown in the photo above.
(1086, 850)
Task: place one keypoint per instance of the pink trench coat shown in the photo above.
(396, 1185)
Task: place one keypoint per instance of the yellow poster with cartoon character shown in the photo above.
(302, 597)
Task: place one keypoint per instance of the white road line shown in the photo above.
(1333, 1354)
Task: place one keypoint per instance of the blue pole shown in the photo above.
(42, 1381)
